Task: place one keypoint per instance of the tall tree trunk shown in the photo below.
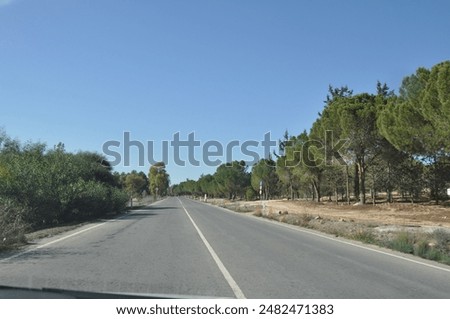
(374, 193)
(436, 185)
(317, 191)
(356, 183)
(348, 184)
(362, 181)
(389, 189)
(291, 187)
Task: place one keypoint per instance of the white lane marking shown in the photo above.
(299, 229)
(69, 236)
(234, 286)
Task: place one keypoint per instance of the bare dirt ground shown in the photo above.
(398, 214)
(381, 214)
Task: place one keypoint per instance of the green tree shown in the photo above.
(402, 122)
(188, 187)
(232, 179)
(354, 118)
(287, 159)
(207, 185)
(312, 164)
(159, 179)
(265, 172)
(418, 122)
(135, 184)
(435, 104)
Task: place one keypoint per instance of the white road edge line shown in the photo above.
(300, 229)
(66, 237)
(49, 243)
(233, 285)
(364, 247)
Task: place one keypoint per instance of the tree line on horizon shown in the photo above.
(360, 145)
(138, 184)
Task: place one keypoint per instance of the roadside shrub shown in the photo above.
(421, 248)
(404, 242)
(445, 259)
(434, 246)
(433, 254)
(94, 199)
(305, 219)
(250, 194)
(364, 236)
(119, 199)
(12, 226)
(442, 239)
(88, 201)
(57, 186)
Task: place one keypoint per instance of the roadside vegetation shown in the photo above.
(53, 190)
(361, 149)
(41, 188)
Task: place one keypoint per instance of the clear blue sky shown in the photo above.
(82, 71)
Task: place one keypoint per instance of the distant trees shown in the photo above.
(189, 187)
(231, 180)
(299, 165)
(159, 179)
(136, 185)
(264, 174)
(206, 185)
(288, 159)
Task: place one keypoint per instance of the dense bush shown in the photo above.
(12, 225)
(52, 186)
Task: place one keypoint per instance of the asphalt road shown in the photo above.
(178, 246)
